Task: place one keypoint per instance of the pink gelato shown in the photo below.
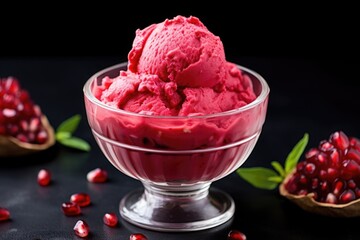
(177, 79)
(177, 68)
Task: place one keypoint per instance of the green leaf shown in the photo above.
(62, 135)
(70, 124)
(279, 168)
(258, 177)
(295, 154)
(76, 143)
(276, 179)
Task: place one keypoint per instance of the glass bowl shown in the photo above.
(176, 158)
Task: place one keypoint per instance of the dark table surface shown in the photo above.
(314, 95)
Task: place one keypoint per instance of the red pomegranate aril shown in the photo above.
(4, 214)
(311, 153)
(338, 187)
(81, 199)
(335, 158)
(353, 154)
(110, 219)
(350, 169)
(41, 137)
(314, 183)
(44, 177)
(138, 236)
(303, 179)
(9, 113)
(326, 146)
(81, 229)
(332, 174)
(21, 137)
(347, 196)
(340, 140)
(331, 198)
(309, 169)
(302, 192)
(351, 184)
(357, 192)
(70, 209)
(97, 175)
(236, 235)
(324, 186)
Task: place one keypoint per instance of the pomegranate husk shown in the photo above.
(306, 202)
(12, 147)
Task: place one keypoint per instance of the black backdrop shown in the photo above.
(308, 55)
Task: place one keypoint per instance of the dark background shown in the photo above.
(308, 55)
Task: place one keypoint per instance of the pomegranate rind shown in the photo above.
(307, 203)
(12, 147)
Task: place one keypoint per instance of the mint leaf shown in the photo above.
(258, 177)
(295, 154)
(62, 135)
(279, 168)
(70, 124)
(276, 179)
(76, 143)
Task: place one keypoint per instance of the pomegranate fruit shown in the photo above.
(138, 236)
(97, 175)
(70, 209)
(4, 214)
(110, 219)
(23, 127)
(81, 199)
(44, 177)
(81, 229)
(327, 181)
(236, 235)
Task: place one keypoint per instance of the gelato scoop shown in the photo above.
(177, 68)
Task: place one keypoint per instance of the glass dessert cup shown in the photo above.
(176, 158)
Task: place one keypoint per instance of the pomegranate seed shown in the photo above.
(97, 175)
(325, 146)
(138, 236)
(302, 192)
(332, 174)
(311, 153)
(70, 209)
(236, 235)
(41, 137)
(350, 169)
(340, 140)
(303, 179)
(81, 199)
(357, 192)
(347, 196)
(351, 184)
(335, 158)
(331, 198)
(9, 113)
(324, 186)
(110, 219)
(44, 177)
(338, 187)
(81, 229)
(4, 214)
(309, 169)
(353, 154)
(314, 183)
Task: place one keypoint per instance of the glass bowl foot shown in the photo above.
(177, 209)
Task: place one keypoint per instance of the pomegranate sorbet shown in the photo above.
(176, 70)
(176, 116)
